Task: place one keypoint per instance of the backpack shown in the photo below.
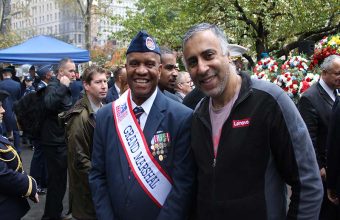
(30, 112)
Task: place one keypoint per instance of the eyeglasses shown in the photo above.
(191, 84)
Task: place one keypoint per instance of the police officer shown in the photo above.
(28, 81)
(45, 74)
(15, 184)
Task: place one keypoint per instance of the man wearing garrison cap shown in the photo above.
(45, 75)
(142, 167)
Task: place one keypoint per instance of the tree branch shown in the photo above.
(322, 30)
(250, 59)
(244, 16)
(313, 36)
(329, 22)
(82, 7)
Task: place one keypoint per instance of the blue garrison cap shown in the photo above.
(142, 42)
(42, 71)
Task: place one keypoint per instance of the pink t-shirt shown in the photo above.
(218, 117)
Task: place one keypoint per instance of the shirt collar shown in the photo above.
(117, 89)
(327, 89)
(93, 106)
(147, 104)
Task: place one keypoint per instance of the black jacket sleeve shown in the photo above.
(311, 118)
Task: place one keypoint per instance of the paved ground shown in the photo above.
(37, 210)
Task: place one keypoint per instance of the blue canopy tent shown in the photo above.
(43, 50)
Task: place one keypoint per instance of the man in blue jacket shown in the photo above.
(141, 162)
(14, 89)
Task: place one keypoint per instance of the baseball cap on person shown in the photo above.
(142, 42)
(42, 71)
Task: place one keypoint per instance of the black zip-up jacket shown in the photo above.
(264, 145)
(57, 99)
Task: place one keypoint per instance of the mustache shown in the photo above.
(208, 74)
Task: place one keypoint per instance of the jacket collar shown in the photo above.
(202, 109)
(83, 103)
(156, 116)
(324, 94)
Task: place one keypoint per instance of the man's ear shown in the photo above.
(159, 70)
(86, 86)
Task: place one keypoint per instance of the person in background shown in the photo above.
(28, 81)
(14, 89)
(119, 86)
(333, 155)
(76, 88)
(14, 73)
(80, 123)
(110, 78)
(142, 166)
(15, 185)
(45, 74)
(27, 88)
(38, 167)
(34, 76)
(57, 99)
(249, 140)
(184, 85)
(315, 106)
(169, 72)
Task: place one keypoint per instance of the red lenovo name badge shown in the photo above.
(241, 123)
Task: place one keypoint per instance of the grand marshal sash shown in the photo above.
(149, 174)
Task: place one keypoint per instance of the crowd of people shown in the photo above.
(154, 142)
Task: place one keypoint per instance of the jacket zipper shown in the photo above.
(213, 186)
(215, 157)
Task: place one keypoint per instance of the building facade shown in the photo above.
(64, 21)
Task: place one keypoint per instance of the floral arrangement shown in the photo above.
(266, 69)
(324, 48)
(295, 74)
(289, 83)
(308, 80)
(295, 63)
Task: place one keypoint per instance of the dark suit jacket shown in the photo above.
(117, 197)
(14, 89)
(315, 107)
(333, 146)
(76, 87)
(112, 94)
(172, 96)
(193, 98)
